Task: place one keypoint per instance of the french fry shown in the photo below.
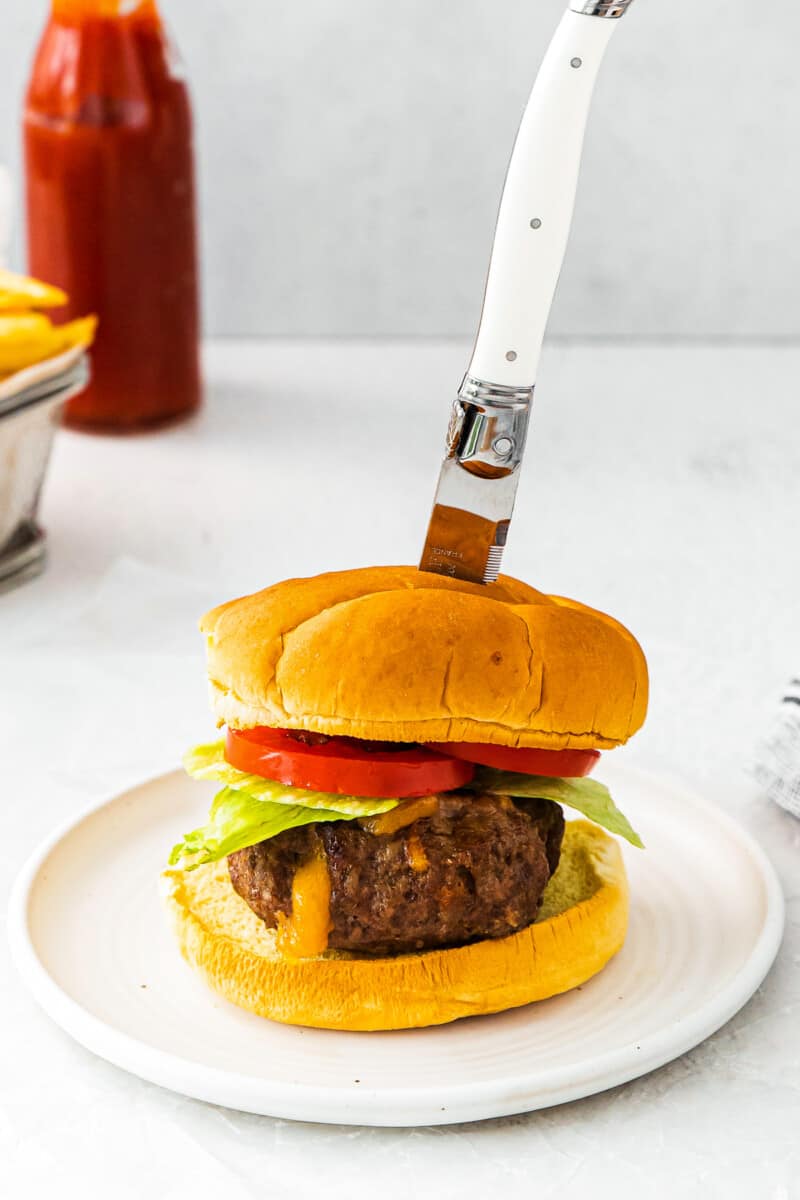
(21, 291)
(28, 337)
(79, 332)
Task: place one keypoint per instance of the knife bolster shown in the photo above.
(488, 428)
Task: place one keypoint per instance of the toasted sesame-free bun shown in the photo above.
(581, 925)
(392, 653)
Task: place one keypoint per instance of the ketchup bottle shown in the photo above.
(110, 203)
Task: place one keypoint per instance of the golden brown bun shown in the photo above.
(581, 925)
(403, 655)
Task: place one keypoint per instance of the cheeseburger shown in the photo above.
(388, 847)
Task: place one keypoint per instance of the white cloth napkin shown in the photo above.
(778, 758)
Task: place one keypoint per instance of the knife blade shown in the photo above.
(478, 481)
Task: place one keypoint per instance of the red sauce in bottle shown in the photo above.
(111, 210)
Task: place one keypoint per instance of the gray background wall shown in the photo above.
(351, 156)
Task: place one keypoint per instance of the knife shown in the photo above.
(489, 419)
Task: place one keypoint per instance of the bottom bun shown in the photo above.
(581, 925)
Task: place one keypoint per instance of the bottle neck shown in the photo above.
(75, 11)
(99, 63)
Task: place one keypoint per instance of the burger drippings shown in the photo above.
(305, 932)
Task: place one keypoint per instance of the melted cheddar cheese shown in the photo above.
(415, 853)
(305, 932)
(405, 814)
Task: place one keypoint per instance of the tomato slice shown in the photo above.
(345, 765)
(567, 764)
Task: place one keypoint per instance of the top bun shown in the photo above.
(397, 654)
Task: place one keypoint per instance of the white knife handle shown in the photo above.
(537, 202)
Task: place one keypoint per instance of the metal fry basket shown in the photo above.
(28, 420)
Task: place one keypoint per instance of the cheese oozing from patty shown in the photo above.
(305, 932)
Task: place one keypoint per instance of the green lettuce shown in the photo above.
(586, 796)
(238, 820)
(251, 809)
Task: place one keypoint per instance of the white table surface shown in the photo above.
(662, 484)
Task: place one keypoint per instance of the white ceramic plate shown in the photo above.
(93, 944)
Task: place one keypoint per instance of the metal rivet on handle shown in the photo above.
(511, 355)
(576, 62)
(536, 223)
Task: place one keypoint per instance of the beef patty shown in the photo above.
(476, 868)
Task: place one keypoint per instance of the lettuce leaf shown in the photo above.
(251, 809)
(238, 820)
(209, 762)
(586, 796)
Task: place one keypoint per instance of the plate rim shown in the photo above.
(398, 1107)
